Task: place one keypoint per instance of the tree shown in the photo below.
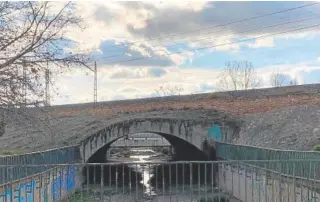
(33, 37)
(169, 90)
(294, 82)
(238, 75)
(277, 79)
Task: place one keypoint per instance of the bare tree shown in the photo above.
(32, 39)
(169, 90)
(277, 79)
(238, 75)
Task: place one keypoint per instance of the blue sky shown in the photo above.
(285, 51)
(161, 40)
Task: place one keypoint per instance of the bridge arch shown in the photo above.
(183, 149)
(192, 132)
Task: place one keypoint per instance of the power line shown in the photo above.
(220, 25)
(230, 33)
(203, 48)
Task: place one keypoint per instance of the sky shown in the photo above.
(140, 46)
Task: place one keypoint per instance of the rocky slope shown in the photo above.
(292, 128)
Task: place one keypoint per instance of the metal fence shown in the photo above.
(54, 156)
(243, 152)
(215, 181)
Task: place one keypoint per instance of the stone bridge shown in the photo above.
(181, 133)
(60, 126)
(190, 123)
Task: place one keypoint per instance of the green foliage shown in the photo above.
(5, 152)
(78, 197)
(316, 148)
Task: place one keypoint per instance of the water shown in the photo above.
(149, 182)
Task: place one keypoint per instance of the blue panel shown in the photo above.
(215, 132)
(56, 156)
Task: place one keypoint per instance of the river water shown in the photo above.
(143, 182)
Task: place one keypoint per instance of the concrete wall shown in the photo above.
(192, 131)
(251, 185)
(52, 185)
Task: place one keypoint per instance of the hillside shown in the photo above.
(284, 118)
(292, 128)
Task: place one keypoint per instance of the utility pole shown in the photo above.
(95, 86)
(47, 90)
(95, 83)
(24, 72)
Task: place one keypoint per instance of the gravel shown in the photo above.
(293, 128)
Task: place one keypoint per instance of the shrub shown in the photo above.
(316, 148)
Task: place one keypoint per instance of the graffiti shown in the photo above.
(23, 192)
(26, 191)
(215, 132)
(63, 182)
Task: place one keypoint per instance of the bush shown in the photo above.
(316, 148)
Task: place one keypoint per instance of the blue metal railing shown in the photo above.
(228, 151)
(224, 151)
(18, 171)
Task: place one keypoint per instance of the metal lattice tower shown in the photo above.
(47, 90)
(24, 72)
(95, 85)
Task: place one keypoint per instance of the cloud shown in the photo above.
(138, 72)
(291, 72)
(206, 87)
(161, 28)
(76, 87)
(264, 42)
(141, 45)
(128, 90)
(138, 54)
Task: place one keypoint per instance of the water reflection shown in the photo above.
(151, 182)
(146, 170)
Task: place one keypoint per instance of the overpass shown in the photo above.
(141, 140)
(204, 134)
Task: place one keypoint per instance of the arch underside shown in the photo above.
(189, 133)
(184, 150)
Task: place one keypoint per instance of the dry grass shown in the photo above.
(5, 152)
(235, 106)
